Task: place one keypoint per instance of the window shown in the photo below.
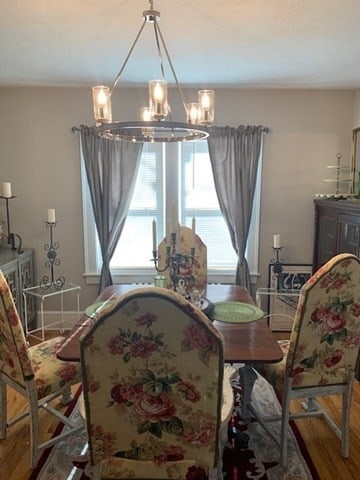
(173, 174)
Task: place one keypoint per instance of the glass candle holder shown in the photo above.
(159, 281)
(193, 113)
(102, 104)
(206, 99)
(158, 100)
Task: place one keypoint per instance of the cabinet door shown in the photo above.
(10, 271)
(18, 270)
(327, 231)
(349, 233)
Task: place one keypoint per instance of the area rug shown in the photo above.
(256, 459)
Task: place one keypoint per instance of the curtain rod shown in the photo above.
(264, 129)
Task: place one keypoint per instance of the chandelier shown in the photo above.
(155, 121)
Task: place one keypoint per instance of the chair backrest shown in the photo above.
(152, 367)
(15, 360)
(194, 276)
(325, 338)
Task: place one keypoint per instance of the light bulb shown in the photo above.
(158, 93)
(102, 98)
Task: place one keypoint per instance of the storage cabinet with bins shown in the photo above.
(337, 229)
(18, 269)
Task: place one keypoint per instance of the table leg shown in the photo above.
(248, 377)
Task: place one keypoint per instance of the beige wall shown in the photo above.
(40, 156)
(356, 121)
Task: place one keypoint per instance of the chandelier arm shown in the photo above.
(161, 60)
(156, 29)
(127, 57)
(172, 68)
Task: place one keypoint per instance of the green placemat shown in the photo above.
(93, 310)
(235, 312)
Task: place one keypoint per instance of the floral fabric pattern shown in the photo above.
(194, 276)
(22, 363)
(325, 338)
(153, 372)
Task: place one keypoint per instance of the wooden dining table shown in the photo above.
(245, 343)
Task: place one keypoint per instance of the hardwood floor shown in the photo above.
(323, 445)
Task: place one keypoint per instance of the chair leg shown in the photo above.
(345, 427)
(34, 427)
(3, 409)
(285, 417)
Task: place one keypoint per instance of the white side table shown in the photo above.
(42, 294)
(282, 307)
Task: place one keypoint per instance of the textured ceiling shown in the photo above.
(242, 43)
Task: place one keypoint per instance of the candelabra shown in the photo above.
(11, 237)
(52, 261)
(277, 263)
(174, 261)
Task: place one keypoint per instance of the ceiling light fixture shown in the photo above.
(153, 126)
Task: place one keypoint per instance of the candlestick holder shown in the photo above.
(11, 237)
(52, 261)
(278, 265)
(175, 262)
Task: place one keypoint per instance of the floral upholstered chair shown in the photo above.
(34, 372)
(194, 276)
(321, 357)
(153, 376)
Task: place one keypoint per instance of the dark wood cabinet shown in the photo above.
(337, 229)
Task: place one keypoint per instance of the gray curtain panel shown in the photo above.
(111, 169)
(234, 155)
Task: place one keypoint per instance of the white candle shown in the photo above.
(51, 215)
(193, 221)
(154, 234)
(277, 241)
(6, 190)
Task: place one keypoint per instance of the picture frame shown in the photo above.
(292, 277)
(286, 285)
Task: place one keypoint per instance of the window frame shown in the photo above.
(144, 275)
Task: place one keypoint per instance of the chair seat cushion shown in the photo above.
(52, 374)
